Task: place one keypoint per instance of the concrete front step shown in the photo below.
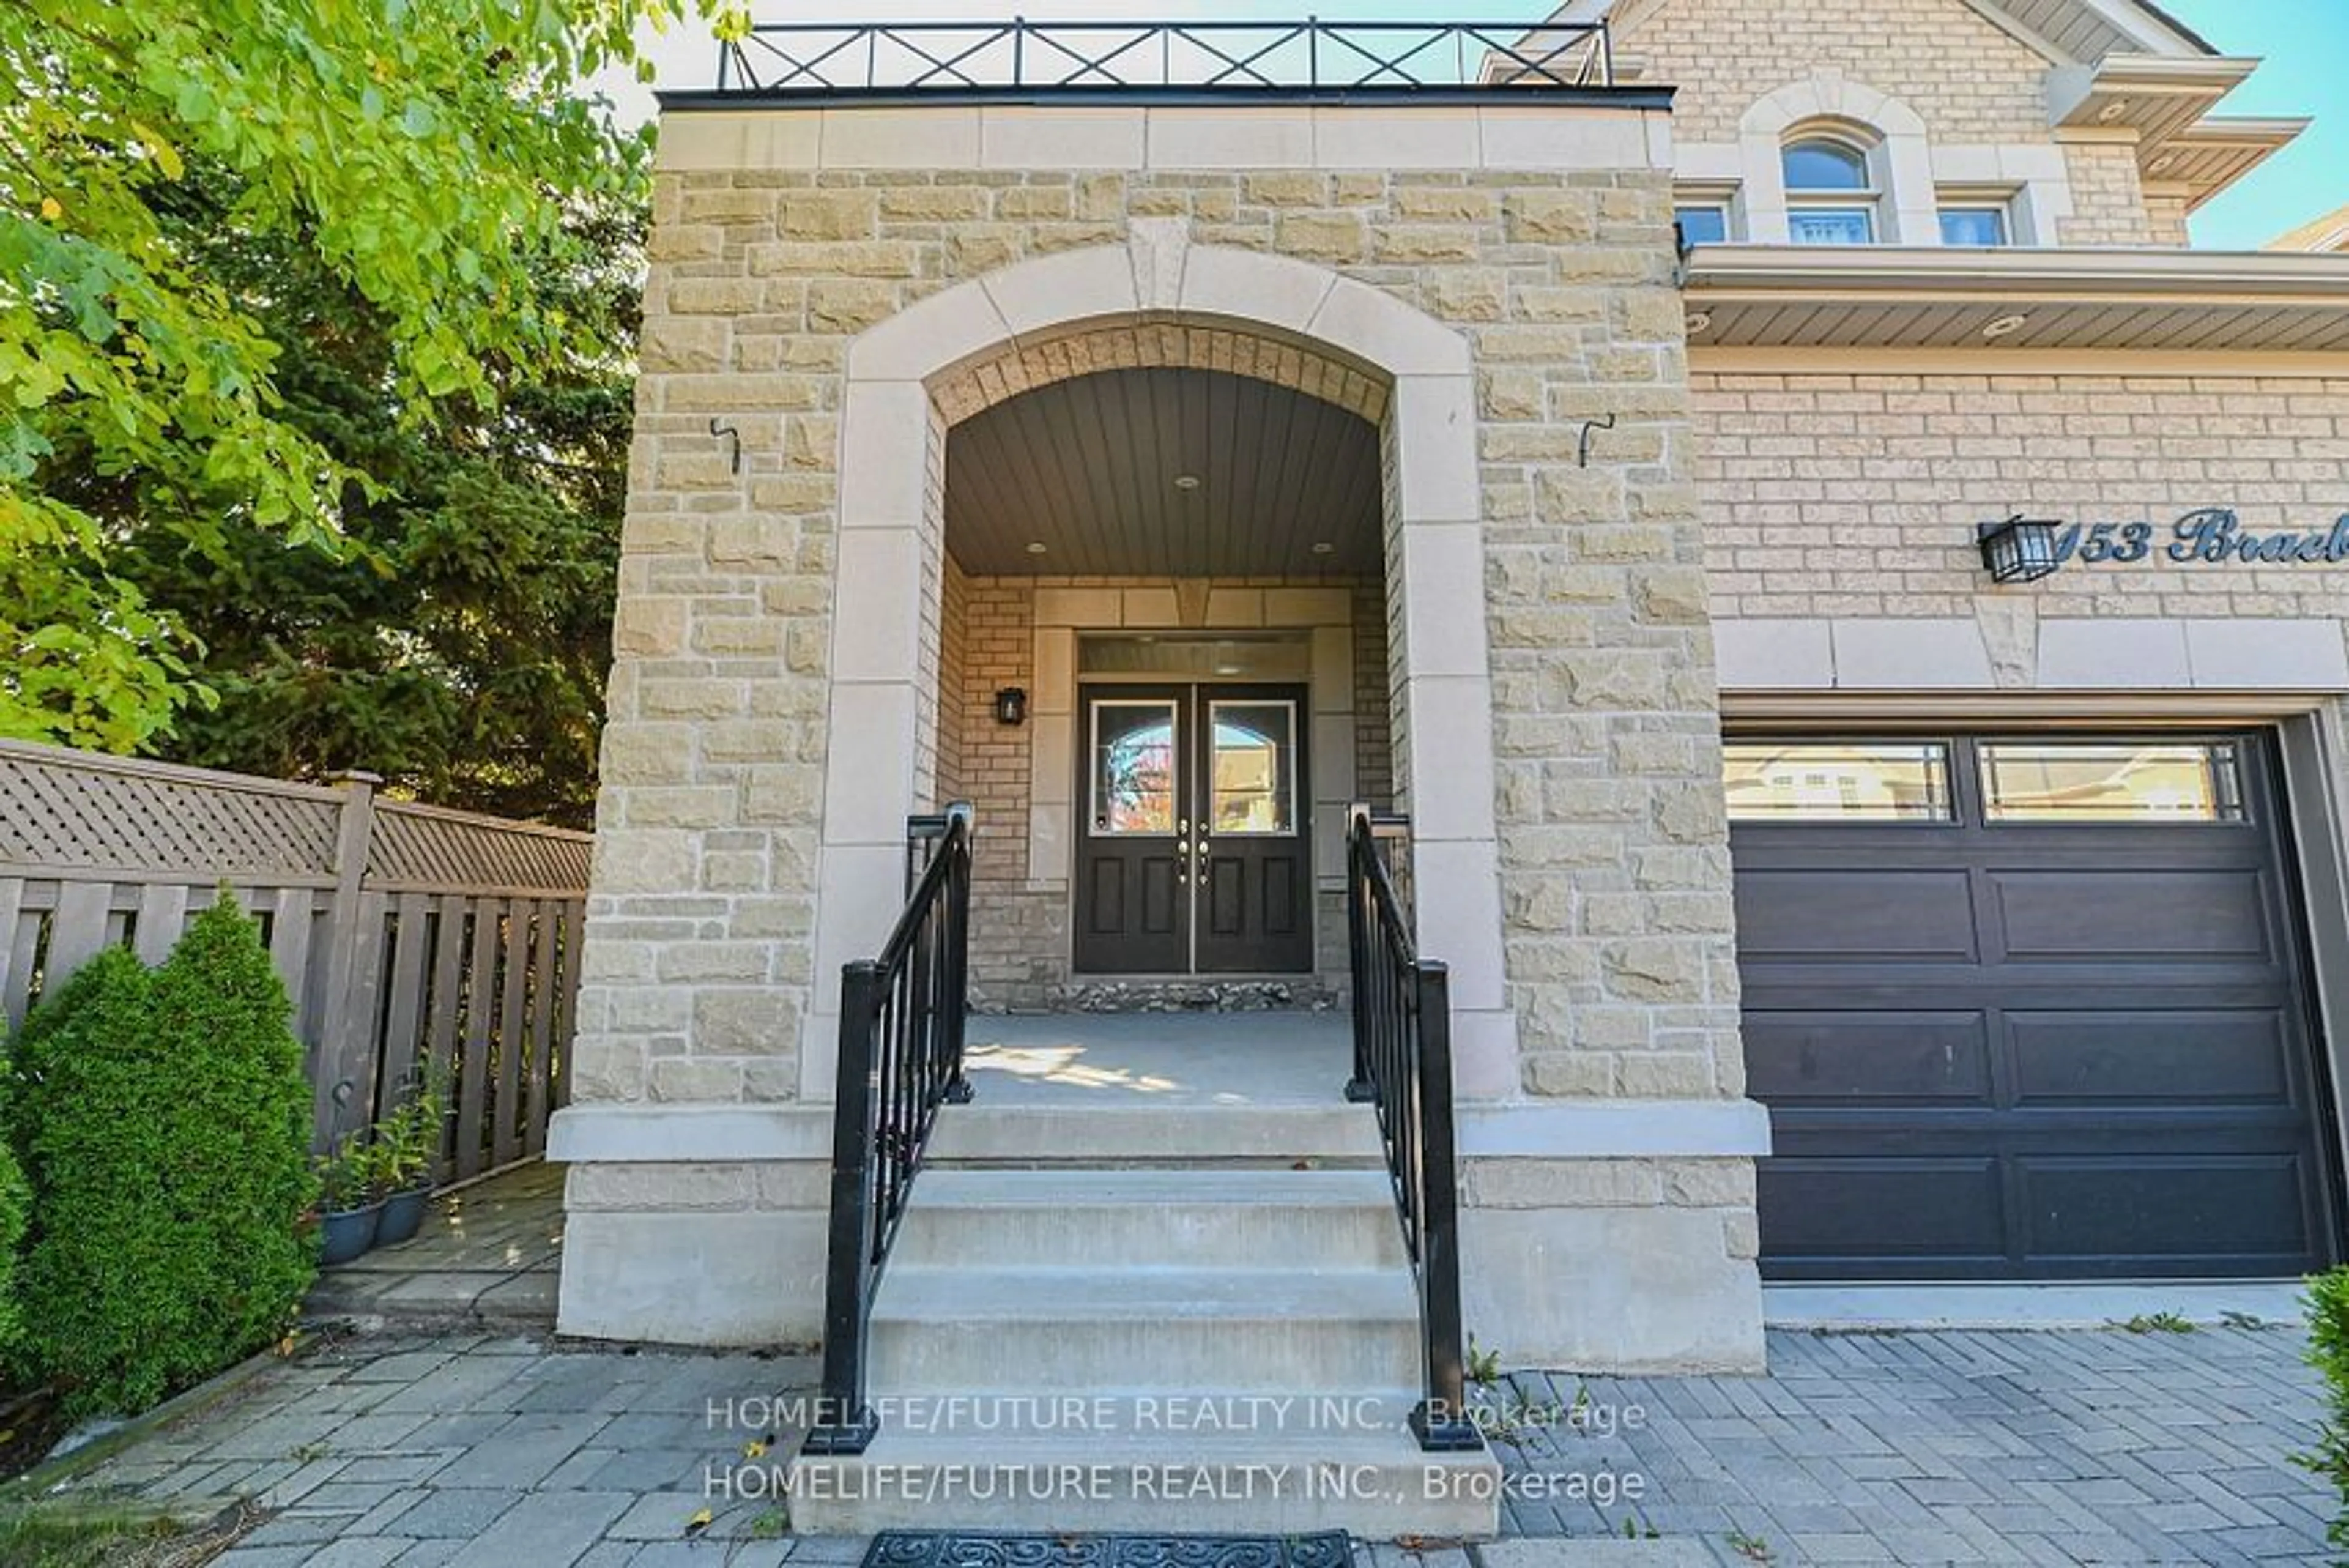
(1241, 1222)
(964, 1330)
(1113, 1136)
(1376, 1484)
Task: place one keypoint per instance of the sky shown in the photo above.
(2305, 44)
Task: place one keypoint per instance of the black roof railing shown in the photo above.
(1195, 60)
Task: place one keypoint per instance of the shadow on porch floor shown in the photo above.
(1148, 1059)
(488, 1252)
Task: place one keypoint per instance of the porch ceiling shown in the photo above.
(1088, 468)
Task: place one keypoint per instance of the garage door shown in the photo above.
(2026, 1007)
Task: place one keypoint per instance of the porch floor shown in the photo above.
(488, 1251)
(1159, 1058)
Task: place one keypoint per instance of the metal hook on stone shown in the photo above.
(1582, 447)
(734, 453)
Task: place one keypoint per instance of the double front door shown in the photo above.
(1193, 854)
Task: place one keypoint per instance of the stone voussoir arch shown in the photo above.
(1157, 300)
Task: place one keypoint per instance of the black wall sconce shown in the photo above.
(2019, 550)
(1011, 705)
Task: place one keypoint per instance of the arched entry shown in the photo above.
(1161, 301)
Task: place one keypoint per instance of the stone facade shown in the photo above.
(1599, 650)
(1593, 544)
(1971, 81)
(1605, 879)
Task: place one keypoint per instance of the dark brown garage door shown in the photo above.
(2026, 1007)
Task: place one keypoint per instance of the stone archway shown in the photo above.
(1162, 300)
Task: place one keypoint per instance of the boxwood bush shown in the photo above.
(2328, 1352)
(166, 1129)
(15, 1203)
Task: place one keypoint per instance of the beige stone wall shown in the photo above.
(1619, 961)
(1856, 495)
(1969, 81)
(2108, 205)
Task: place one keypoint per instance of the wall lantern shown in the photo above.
(2019, 550)
(1011, 706)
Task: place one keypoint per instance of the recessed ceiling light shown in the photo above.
(1323, 548)
(2111, 111)
(1035, 546)
(1187, 481)
(1698, 321)
(2005, 326)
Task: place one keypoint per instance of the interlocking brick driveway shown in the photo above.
(2009, 1447)
(2025, 1448)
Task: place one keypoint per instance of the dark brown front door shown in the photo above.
(1193, 854)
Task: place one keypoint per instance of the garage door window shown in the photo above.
(2135, 783)
(1837, 781)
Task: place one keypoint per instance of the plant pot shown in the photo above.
(403, 1213)
(345, 1233)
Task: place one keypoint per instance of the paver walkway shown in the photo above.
(1947, 1448)
(1972, 1447)
(490, 1253)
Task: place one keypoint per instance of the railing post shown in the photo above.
(1441, 1422)
(960, 842)
(847, 1423)
(1359, 1090)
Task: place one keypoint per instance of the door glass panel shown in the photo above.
(1782, 781)
(1133, 767)
(1253, 773)
(2031, 780)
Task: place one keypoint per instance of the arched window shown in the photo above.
(1831, 194)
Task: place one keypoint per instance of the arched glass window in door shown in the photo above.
(1134, 771)
(1831, 197)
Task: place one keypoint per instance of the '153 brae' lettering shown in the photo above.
(2211, 537)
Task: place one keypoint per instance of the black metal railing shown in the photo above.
(1020, 55)
(1402, 1066)
(901, 1017)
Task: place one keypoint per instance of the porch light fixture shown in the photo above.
(1323, 548)
(2019, 550)
(2005, 326)
(1187, 481)
(1035, 546)
(1011, 705)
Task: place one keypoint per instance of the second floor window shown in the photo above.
(1703, 224)
(1831, 198)
(1973, 225)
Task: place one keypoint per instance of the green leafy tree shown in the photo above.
(458, 645)
(425, 153)
(166, 1132)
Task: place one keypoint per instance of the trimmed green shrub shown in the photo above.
(15, 1205)
(166, 1122)
(2328, 1351)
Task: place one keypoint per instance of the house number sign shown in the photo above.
(2209, 536)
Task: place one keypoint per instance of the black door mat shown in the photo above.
(977, 1549)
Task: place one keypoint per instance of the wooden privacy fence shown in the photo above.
(405, 934)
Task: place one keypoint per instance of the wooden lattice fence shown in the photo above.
(405, 934)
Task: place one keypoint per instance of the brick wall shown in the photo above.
(1858, 495)
(1969, 81)
(2108, 199)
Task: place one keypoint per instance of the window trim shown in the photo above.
(2004, 201)
(1867, 199)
